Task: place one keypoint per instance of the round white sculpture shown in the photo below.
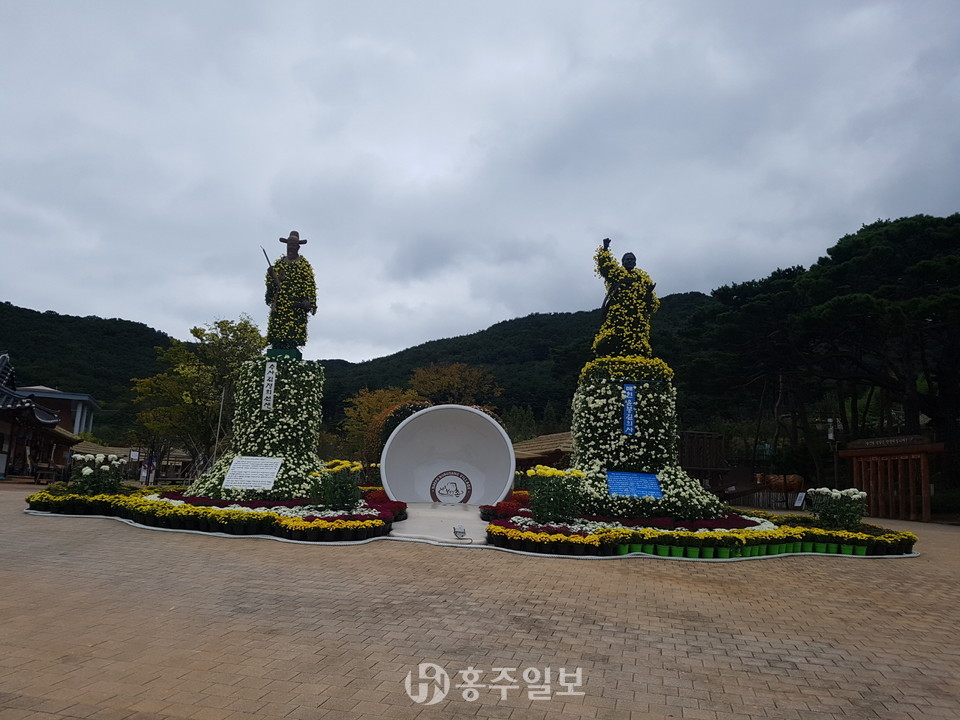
(448, 454)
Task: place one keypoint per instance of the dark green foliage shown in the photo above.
(89, 355)
(555, 499)
(393, 420)
(339, 490)
(535, 359)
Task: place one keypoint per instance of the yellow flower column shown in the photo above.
(627, 309)
(291, 291)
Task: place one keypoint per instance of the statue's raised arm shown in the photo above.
(629, 303)
(291, 293)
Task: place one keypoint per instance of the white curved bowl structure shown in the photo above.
(448, 454)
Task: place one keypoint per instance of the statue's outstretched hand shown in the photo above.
(606, 243)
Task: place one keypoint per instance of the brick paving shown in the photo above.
(105, 621)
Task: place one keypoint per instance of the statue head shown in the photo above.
(629, 261)
(293, 243)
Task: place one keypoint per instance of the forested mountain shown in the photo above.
(89, 355)
(535, 359)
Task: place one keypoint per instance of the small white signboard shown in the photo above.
(252, 473)
(798, 503)
(269, 381)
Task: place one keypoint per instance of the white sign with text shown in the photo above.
(252, 473)
(269, 383)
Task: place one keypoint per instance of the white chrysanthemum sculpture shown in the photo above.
(287, 427)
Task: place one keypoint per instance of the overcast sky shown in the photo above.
(453, 164)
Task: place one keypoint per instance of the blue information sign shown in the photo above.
(634, 484)
(629, 400)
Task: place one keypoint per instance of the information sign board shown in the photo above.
(629, 403)
(634, 484)
(252, 473)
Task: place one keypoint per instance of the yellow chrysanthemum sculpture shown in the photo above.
(624, 409)
(291, 293)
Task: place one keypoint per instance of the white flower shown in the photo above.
(87, 471)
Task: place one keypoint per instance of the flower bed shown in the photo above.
(734, 535)
(294, 520)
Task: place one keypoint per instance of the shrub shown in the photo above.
(838, 509)
(339, 490)
(556, 498)
(96, 474)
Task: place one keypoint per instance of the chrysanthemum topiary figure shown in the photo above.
(278, 396)
(624, 409)
(291, 294)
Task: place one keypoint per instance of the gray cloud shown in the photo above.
(453, 164)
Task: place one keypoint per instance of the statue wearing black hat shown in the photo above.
(291, 294)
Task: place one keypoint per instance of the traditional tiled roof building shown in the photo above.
(32, 443)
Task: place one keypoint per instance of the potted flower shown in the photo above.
(728, 545)
(708, 544)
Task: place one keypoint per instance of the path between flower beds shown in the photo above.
(435, 522)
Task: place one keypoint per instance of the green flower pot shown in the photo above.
(859, 549)
(647, 548)
(763, 549)
(623, 549)
(636, 547)
(708, 553)
(833, 548)
(846, 549)
(676, 551)
(723, 553)
(806, 547)
(693, 552)
(819, 547)
(662, 550)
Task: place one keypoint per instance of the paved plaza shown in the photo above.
(104, 620)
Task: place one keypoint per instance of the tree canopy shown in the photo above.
(190, 402)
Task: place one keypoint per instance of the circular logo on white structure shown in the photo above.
(451, 486)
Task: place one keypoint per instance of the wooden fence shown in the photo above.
(895, 478)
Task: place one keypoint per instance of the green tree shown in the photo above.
(456, 383)
(520, 423)
(882, 310)
(364, 411)
(190, 402)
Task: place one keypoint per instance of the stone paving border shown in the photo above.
(103, 620)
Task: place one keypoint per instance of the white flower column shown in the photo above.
(289, 429)
(601, 442)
